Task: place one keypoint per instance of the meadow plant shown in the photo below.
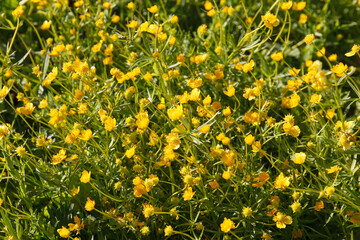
(179, 119)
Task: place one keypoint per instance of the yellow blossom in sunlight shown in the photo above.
(46, 25)
(175, 113)
(330, 191)
(110, 123)
(130, 152)
(282, 182)
(332, 57)
(85, 176)
(227, 225)
(248, 66)
(333, 169)
(58, 158)
(321, 52)
(309, 38)
(256, 146)
(277, 56)
(132, 24)
(270, 20)
(294, 72)
(286, 5)
(168, 231)
(315, 98)
(148, 210)
(174, 19)
(188, 194)
(282, 220)
(355, 49)
(247, 212)
(299, 6)
(339, 69)
(18, 12)
(211, 13)
(153, 9)
(115, 19)
(130, 5)
(230, 91)
(43, 103)
(208, 5)
(4, 91)
(303, 18)
(90, 205)
(299, 158)
(64, 232)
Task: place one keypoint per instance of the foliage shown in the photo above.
(179, 119)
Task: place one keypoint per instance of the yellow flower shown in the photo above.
(227, 111)
(214, 184)
(230, 91)
(205, 128)
(270, 20)
(303, 18)
(256, 147)
(299, 6)
(97, 47)
(46, 25)
(247, 212)
(18, 12)
(355, 49)
(174, 19)
(315, 98)
(286, 5)
(226, 175)
(330, 191)
(43, 103)
(85, 177)
(175, 113)
(333, 169)
(319, 205)
(8, 73)
(277, 56)
(299, 158)
(58, 158)
(130, 5)
(282, 220)
(148, 76)
(208, 6)
(188, 194)
(282, 182)
(132, 24)
(248, 66)
(142, 121)
(90, 205)
(168, 231)
(227, 225)
(4, 91)
(296, 206)
(148, 210)
(110, 123)
(339, 69)
(211, 13)
(153, 9)
(309, 38)
(332, 57)
(130, 152)
(321, 52)
(64, 232)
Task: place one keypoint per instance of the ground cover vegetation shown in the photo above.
(230, 119)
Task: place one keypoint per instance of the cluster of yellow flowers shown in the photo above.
(144, 127)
